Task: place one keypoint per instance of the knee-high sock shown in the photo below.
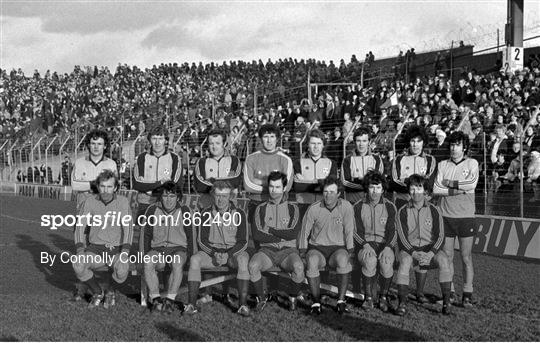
(315, 287)
(94, 285)
(403, 291)
(243, 286)
(112, 285)
(445, 290)
(193, 290)
(420, 282)
(296, 287)
(368, 285)
(356, 279)
(343, 284)
(259, 289)
(384, 284)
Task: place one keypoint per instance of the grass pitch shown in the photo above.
(35, 301)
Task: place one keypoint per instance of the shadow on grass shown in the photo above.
(177, 334)
(364, 330)
(59, 275)
(8, 339)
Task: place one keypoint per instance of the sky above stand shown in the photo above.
(57, 35)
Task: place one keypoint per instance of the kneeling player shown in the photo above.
(376, 235)
(169, 240)
(420, 237)
(275, 226)
(222, 238)
(327, 235)
(109, 242)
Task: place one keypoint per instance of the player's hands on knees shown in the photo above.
(367, 251)
(386, 255)
(221, 258)
(427, 257)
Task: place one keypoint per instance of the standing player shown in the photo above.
(260, 164)
(327, 235)
(167, 238)
(456, 181)
(219, 166)
(311, 169)
(376, 236)
(274, 227)
(356, 165)
(414, 161)
(222, 240)
(108, 242)
(420, 237)
(86, 169)
(154, 168)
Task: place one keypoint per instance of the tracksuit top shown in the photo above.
(218, 237)
(226, 168)
(355, 167)
(418, 228)
(405, 165)
(463, 177)
(108, 232)
(375, 223)
(86, 171)
(276, 225)
(260, 164)
(322, 227)
(149, 169)
(308, 177)
(170, 232)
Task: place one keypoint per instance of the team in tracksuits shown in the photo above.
(332, 233)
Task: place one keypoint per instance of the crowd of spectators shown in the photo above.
(197, 98)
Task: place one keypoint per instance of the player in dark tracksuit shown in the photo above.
(220, 165)
(420, 237)
(222, 240)
(274, 228)
(167, 238)
(356, 165)
(376, 236)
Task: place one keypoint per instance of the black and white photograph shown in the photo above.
(267, 170)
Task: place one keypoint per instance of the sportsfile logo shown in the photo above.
(117, 219)
(111, 218)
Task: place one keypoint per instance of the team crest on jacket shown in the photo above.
(383, 220)
(325, 170)
(338, 220)
(166, 171)
(227, 170)
(284, 221)
(465, 172)
(423, 170)
(428, 223)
